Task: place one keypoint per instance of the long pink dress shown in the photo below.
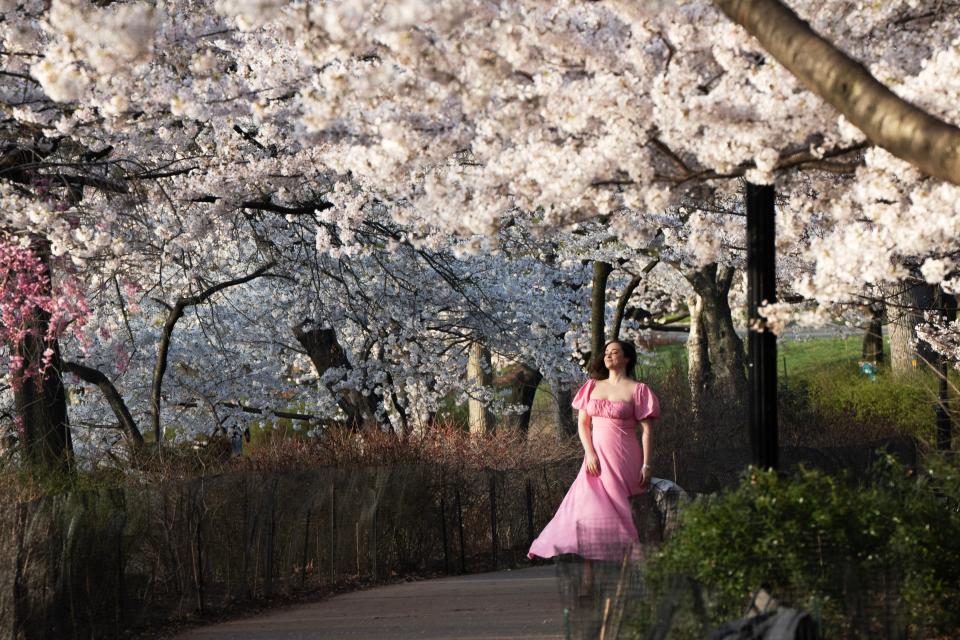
(594, 520)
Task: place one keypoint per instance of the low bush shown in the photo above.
(445, 446)
(887, 548)
(840, 392)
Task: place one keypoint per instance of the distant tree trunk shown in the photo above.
(873, 338)
(598, 307)
(909, 300)
(727, 373)
(40, 404)
(522, 382)
(174, 313)
(325, 352)
(479, 375)
(698, 359)
(565, 421)
(621, 311)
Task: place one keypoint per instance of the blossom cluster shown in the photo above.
(31, 308)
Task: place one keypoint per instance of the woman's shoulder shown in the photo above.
(641, 388)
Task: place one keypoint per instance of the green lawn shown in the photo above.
(794, 356)
(823, 374)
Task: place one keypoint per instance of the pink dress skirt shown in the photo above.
(594, 520)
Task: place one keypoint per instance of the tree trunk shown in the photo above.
(479, 376)
(873, 337)
(566, 424)
(41, 408)
(522, 382)
(40, 402)
(717, 373)
(324, 350)
(698, 358)
(724, 346)
(598, 307)
(909, 300)
(174, 314)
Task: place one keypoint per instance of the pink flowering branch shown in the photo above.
(29, 308)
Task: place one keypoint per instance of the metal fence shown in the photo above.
(98, 563)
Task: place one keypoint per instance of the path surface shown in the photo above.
(502, 605)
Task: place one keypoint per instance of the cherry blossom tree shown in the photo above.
(188, 143)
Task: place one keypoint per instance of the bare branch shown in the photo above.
(172, 317)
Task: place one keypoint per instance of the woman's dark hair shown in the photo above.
(599, 371)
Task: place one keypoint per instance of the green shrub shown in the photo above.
(821, 542)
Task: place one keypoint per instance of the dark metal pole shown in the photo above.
(529, 512)
(944, 430)
(494, 538)
(443, 530)
(463, 555)
(762, 345)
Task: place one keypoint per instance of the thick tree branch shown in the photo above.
(307, 208)
(889, 121)
(124, 417)
(164, 348)
(625, 297)
(598, 305)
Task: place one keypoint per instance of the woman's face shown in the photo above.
(613, 357)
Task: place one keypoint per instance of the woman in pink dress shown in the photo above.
(594, 520)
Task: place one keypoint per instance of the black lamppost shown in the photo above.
(762, 345)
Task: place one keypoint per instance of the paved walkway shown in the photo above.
(502, 605)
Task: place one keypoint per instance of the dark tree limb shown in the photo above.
(522, 381)
(163, 349)
(120, 410)
(325, 352)
(289, 415)
(625, 298)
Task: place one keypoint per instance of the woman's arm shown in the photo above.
(586, 439)
(646, 440)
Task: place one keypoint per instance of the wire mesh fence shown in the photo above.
(98, 563)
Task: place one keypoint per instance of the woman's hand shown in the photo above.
(593, 463)
(645, 474)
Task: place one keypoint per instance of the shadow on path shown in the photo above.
(507, 604)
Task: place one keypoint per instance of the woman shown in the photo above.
(594, 520)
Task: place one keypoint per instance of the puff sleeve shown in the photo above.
(583, 396)
(645, 404)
